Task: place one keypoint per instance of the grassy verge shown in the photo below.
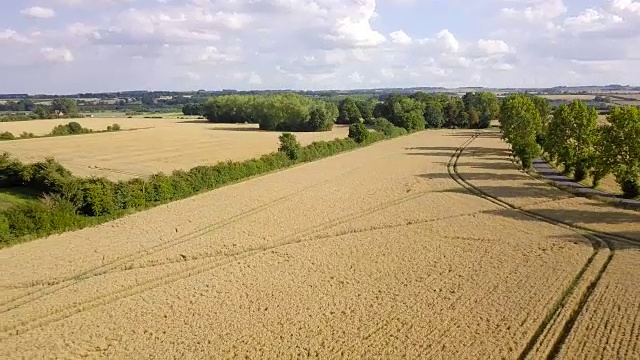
(69, 203)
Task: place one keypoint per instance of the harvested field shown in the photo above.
(381, 252)
(569, 97)
(161, 145)
(43, 127)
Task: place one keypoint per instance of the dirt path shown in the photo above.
(373, 253)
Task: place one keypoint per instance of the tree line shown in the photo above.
(60, 107)
(571, 136)
(293, 112)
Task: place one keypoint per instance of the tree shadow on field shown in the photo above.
(483, 176)
(472, 151)
(584, 218)
(241, 129)
(200, 121)
(488, 135)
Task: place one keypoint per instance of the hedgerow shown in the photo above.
(69, 202)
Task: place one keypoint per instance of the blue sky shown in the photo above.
(68, 46)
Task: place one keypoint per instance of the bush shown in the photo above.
(115, 127)
(130, 194)
(75, 128)
(630, 188)
(289, 145)
(358, 132)
(160, 188)
(7, 136)
(27, 135)
(99, 197)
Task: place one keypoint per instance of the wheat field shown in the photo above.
(157, 145)
(389, 251)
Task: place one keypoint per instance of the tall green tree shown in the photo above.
(571, 137)
(434, 115)
(348, 112)
(623, 153)
(66, 106)
(520, 122)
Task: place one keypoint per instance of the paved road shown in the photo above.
(546, 171)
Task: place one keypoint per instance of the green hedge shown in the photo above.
(71, 202)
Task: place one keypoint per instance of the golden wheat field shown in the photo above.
(158, 145)
(405, 249)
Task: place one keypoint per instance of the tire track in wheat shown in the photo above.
(599, 241)
(168, 278)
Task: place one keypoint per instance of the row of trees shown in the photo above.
(72, 128)
(293, 112)
(282, 112)
(571, 136)
(61, 107)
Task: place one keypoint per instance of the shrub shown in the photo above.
(384, 126)
(115, 127)
(99, 197)
(160, 188)
(358, 132)
(630, 188)
(75, 128)
(27, 135)
(289, 145)
(130, 194)
(7, 136)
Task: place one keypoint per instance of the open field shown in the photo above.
(43, 127)
(160, 145)
(382, 252)
(569, 97)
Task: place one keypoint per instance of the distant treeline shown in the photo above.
(293, 112)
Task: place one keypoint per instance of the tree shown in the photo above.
(68, 107)
(358, 132)
(453, 110)
(408, 113)
(434, 115)
(290, 146)
(348, 112)
(366, 109)
(571, 137)
(320, 119)
(623, 151)
(210, 110)
(474, 118)
(521, 123)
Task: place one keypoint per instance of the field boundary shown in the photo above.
(598, 239)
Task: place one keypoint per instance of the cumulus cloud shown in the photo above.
(319, 44)
(400, 37)
(59, 55)
(38, 12)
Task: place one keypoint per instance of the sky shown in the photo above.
(70, 46)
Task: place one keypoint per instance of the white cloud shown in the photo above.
(58, 55)
(400, 37)
(38, 12)
(492, 47)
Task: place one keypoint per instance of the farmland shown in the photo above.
(386, 252)
(157, 145)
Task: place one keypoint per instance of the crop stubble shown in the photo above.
(371, 253)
